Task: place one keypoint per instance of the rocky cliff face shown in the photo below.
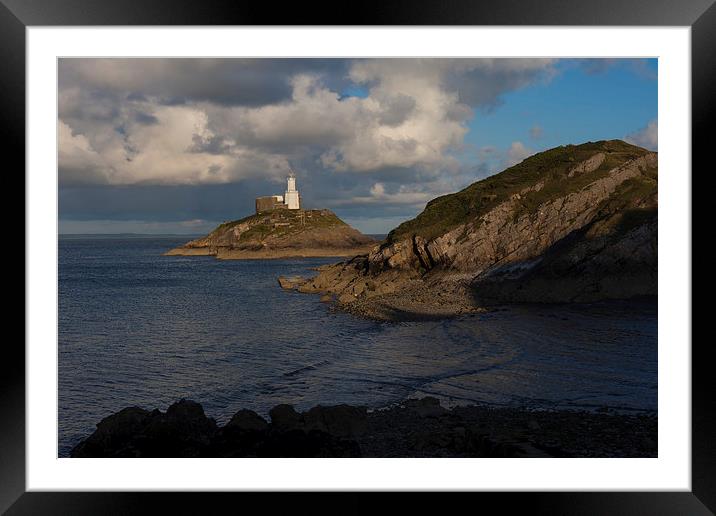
(575, 223)
(280, 233)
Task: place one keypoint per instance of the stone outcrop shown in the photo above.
(412, 428)
(280, 234)
(182, 431)
(576, 230)
(185, 431)
(588, 165)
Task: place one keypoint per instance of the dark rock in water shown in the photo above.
(340, 420)
(533, 425)
(419, 428)
(115, 433)
(426, 407)
(189, 417)
(183, 431)
(458, 442)
(284, 417)
(297, 443)
(247, 420)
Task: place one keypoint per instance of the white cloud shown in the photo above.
(404, 195)
(79, 162)
(647, 137)
(516, 153)
(120, 128)
(130, 152)
(400, 124)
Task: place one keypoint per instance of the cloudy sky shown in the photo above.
(179, 145)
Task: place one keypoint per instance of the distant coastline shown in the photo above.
(67, 236)
(269, 254)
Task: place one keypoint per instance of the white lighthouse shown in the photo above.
(291, 198)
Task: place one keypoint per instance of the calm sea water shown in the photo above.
(138, 328)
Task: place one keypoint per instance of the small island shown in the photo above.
(280, 228)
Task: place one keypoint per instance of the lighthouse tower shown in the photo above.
(292, 199)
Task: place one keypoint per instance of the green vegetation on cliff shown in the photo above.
(553, 168)
(282, 229)
(279, 222)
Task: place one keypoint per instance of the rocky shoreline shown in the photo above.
(575, 224)
(413, 428)
(415, 300)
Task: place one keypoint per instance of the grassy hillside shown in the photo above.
(280, 222)
(551, 167)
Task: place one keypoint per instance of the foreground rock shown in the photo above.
(280, 233)
(415, 428)
(181, 431)
(572, 224)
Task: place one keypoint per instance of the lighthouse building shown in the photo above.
(291, 199)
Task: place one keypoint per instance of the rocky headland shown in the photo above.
(280, 233)
(413, 428)
(576, 223)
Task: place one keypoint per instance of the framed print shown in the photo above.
(413, 250)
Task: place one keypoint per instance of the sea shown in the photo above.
(140, 329)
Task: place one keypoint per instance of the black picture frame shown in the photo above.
(16, 15)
